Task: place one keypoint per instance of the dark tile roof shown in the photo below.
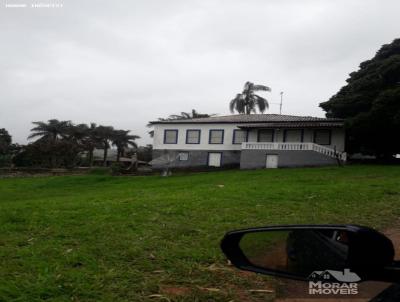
(251, 118)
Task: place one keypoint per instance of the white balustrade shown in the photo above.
(295, 147)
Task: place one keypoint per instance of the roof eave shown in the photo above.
(241, 122)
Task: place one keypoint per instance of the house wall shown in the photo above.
(158, 142)
(337, 137)
(256, 159)
(196, 159)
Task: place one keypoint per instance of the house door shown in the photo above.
(214, 159)
(271, 161)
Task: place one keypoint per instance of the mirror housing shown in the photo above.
(297, 251)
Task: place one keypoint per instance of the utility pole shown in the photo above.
(280, 105)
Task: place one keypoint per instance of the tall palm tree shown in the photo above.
(85, 137)
(122, 139)
(247, 101)
(91, 141)
(50, 133)
(73, 143)
(104, 135)
(77, 133)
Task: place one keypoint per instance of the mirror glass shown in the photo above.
(298, 252)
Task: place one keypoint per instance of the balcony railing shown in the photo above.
(295, 147)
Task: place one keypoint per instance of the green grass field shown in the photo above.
(104, 238)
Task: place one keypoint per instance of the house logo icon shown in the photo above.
(330, 275)
(330, 282)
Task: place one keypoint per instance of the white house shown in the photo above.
(249, 141)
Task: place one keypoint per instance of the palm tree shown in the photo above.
(50, 133)
(104, 135)
(247, 101)
(74, 140)
(86, 137)
(122, 139)
(190, 115)
(91, 141)
(77, 133)
(182, 116)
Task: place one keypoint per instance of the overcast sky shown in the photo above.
(124, 63)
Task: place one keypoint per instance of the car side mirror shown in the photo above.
(344, 253)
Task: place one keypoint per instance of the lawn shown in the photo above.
(105, 238)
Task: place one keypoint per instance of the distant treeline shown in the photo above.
(63, 144)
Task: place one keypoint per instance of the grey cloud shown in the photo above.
(127, 62)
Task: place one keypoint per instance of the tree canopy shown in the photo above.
(370, 103)
(50, 131)
(5, 141)
(62, 143)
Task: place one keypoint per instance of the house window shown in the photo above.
(216, 137)
(170, 136)
(239, 136)
(183, 156)
(192, 136)
(265, 136)
(322, 137)
(293, 136)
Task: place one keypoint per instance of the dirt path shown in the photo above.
(294, 291)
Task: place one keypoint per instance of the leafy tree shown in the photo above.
(247, 101)
(122, 139)
(370, 103)
(6, 148)
(68, 152)
(40, 153)
(33, 155)
(5, 141)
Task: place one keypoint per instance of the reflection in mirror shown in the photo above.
(299, 252)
